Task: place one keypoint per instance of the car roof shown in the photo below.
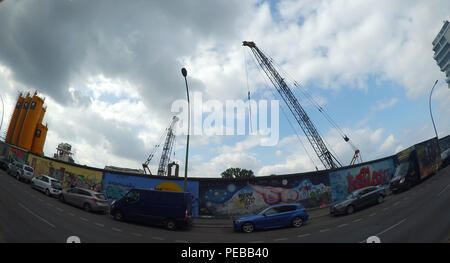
(87, 190)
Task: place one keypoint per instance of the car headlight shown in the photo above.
(402, 180)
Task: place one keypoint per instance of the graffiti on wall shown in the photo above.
(244, 197)
(115, 186)
(69, 175)
(17, 154)
(345, 181)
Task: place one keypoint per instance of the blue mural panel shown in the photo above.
(238, 197)
(115, 186)
(343, 182)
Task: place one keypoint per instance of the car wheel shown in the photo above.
(47, 192)
(297, 221)
(118, 215)
(350, 209)
(87, 207)
(248, 227)
(170, 224)
(380, 199)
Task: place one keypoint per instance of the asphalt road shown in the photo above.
(421, 214)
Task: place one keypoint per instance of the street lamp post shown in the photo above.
(431, 113)
(184, 72)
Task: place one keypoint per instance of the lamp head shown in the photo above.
(184, 72)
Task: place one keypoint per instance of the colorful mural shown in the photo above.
(230, 198)
(115, 186)
(17, 154)
(345, 181)
(69, 175)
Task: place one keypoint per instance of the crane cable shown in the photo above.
(320, 109)
(248, 92)
(286, 116)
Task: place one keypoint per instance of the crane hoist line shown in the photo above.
(317, 143)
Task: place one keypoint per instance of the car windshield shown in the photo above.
(29, 169)
(350, 196)
(56, 183)
(401, 170)
(261, 211)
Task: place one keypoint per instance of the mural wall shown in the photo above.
(345, 181)
(115, 186)
(69, 175)
(17, 154)
(240, 197)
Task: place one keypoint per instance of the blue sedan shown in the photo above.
(272, 217)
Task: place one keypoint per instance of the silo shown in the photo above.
(20, 119)
(30, 122)
(41, 116)
(39, 139)
(14, 118)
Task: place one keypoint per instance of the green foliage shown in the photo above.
(237, 173)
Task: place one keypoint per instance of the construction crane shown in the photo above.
(166, 151)
(325, 156)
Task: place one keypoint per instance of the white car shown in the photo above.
(50, 186)
(21, 171)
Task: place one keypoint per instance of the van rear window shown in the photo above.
(29, 169)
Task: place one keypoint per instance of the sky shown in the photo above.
(110, 73)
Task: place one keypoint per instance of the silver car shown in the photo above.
(50, 186)
(87, 199)
(21, 171)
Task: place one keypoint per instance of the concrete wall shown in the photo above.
(346, 180)
(222, 198)
(68, 174)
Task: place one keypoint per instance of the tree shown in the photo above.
(237, 173)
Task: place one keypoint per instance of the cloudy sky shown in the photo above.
(110, 71)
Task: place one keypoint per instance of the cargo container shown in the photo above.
(30, 122)
(20, 120)
(14, 118)
(415, 164)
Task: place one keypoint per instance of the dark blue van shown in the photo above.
(170, 209)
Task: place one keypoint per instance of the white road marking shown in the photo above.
(137, 234)
(389, 228)
(117, 229)
(443, 190)
(50, 205)
(40, 218)
(396, 203)
(84, 219)
(304, 235)
(257, 241)
(59, 209)
(342, 225)
(100, 225)
(324, 230)
(40, 199)
(181, 241)
(405, 198)
(357, 220)
(157, 238)
(280, 239)
(373, 214)
(71, 214)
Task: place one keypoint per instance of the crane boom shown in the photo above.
(166, 151)
(325, 156)
(167, 148)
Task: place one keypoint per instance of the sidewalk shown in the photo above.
(228, 222)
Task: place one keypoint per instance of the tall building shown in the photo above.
(441, 48)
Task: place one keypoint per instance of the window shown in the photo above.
(25, 105)
(271, 211)
(132, 196)
(45, 179)
(38, 133)
(287, 208)
(33, 105)
(82, 192)
(28, 168)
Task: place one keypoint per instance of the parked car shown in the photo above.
(445, 157)
(50, 186)
(170, 209)
(359, 199)
(4, 163)
(272, 217)
(21, 171)
(89, 200)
